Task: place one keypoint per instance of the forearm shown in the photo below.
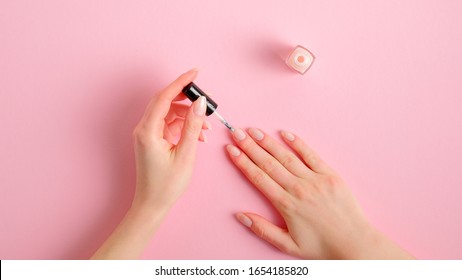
(132, 235)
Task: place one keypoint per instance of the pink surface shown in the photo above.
(382, 104)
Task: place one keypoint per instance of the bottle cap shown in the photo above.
(193, 92)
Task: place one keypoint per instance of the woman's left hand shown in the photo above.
(163, 168)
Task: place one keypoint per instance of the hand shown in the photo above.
(163, 169)
(323, 219)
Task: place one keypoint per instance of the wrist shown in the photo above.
(147, 210)
(151, 202)
(371, 243)
(375, 245)
(357, 244)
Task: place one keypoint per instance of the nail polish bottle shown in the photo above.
(300, 59)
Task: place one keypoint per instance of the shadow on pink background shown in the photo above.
(382, 104)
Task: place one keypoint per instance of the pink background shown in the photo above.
(382, 104)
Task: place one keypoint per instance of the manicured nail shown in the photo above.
(193, 70)
(239, 134)
(204, 138)
(289, 136)
(246, 221)
(199, 106)
(207, 125)
(256, 134)
(233, 150)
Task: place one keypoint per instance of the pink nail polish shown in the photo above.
(289, 136)
(199, 106)
(239, 134)
(256, 134)
(233, 150)
(300, 59)
(196, 69)
(246, 221)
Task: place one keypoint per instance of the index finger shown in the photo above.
(159, 106)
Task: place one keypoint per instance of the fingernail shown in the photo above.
(233, 150)
(289, 136)
(193, 70)
(246, 221)
(199, 106)
(207, 125)
(256, 134)
(239, 134)
(204, 138)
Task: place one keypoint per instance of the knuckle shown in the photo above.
(299, 190)
(257, 178)
(332, 181)
(246, 144)
(193, 127)
(135, 133)
(269, 165)
(261, 232)
(161, 98)
(331, 185)
(311, 158)
(286, 204)
(141, 137)
(289, 159)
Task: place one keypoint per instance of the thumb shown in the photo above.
(186, 147)
(276, 236)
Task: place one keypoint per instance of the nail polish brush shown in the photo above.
(193, 92)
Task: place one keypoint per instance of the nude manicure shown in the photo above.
(193, 70)
(287, 135)
(199, 106)
(246, 221)
(233, 150)
(256, 134)
(239, 134)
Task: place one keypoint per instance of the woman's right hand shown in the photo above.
(322, 217)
